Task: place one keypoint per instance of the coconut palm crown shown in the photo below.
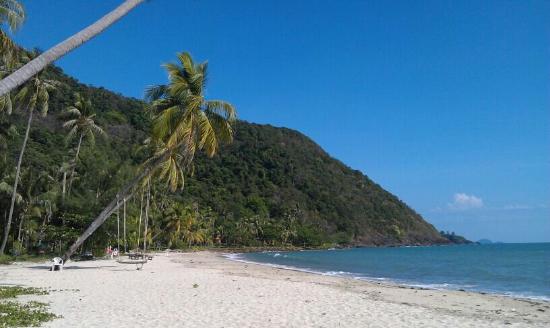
(184, 120)
(80, 122)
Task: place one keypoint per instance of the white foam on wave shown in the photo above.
(239, 257)
(339, 274)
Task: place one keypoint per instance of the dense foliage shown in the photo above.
(272, 186)
(454, 238)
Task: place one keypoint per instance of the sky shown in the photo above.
(444, 103)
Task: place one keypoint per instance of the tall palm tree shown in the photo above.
(12, 14)
(184, 122)
(80, 122)
(39, 63)
(33, 96)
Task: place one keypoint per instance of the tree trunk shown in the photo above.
(20, 228)
(124, 226)
(63, 187)
(146, 217)
(14, 194)
(111, 207)
(139, 225)
(39, 63)
(71, 176)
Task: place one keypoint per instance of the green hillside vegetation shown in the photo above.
(454, 238)
(270, 187)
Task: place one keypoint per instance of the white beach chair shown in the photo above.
(57, 264)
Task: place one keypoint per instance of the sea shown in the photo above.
(517, 270)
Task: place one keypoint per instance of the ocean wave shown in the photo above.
(240, 257)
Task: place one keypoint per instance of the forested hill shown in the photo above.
(273, 170)
(271, 186)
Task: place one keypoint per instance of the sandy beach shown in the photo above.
(204, 289)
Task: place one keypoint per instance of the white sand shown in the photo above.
(232, 294)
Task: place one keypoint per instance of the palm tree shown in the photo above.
(80, 122)
(184, 122)
(12, 14)
(178, 220)
(183, 225)
(38, 196)
(39, 63)
(289, 229)
(34, 96)
(184, 117)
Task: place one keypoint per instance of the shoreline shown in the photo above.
(381, 281)
(207, 289)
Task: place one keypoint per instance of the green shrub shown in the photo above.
(18, 249)
(14, 291)
(31, 314)
(6, 259)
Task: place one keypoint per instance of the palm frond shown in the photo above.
(222, 108)
(164, 122)
(71, 134)
(6, 104)
(70, 123)
(207, 136)
(8, 50)
(155, 92)
(97, 129)
(12, 13)
(91, 137)
(71, 111)
(221, 126)
(187, 62)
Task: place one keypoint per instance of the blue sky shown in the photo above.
(444, 103)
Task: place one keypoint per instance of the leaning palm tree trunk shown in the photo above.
(39, 63)
(126, 192)
(103, 216)
(14, 192)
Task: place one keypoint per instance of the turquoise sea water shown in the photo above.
(521, 270)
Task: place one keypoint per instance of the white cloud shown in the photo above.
(462, 201)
